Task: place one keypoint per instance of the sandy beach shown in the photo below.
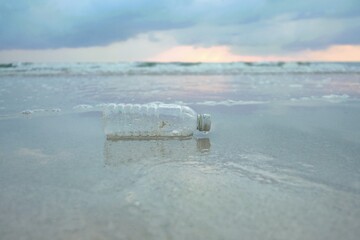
(281, 160)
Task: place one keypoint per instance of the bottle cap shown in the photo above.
(203, 122)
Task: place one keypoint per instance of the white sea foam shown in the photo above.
(27, 112)
(332, 98)
(230, 102)
(336, 98)
(102, 105)
(83, 107)
(40, 110)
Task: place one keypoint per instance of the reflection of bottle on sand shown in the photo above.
(153, 120)
(130, 151)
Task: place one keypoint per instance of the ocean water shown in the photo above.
(282, 160)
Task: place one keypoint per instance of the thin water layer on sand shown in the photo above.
(281, 162)
(68, 93)
(258, 174)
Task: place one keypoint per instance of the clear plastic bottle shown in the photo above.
(152, 120)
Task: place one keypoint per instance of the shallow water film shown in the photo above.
(282, 160)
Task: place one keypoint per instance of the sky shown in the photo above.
(179, 30)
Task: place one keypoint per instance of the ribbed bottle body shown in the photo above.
(153, 120)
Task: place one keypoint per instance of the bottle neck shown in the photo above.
(203, 122)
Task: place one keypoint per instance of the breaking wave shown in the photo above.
(175, 68)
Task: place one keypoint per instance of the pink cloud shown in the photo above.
(337, 53)
(223, 54)
(197, 54)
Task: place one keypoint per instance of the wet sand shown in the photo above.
(276, 165)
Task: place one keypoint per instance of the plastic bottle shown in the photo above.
(152, 120)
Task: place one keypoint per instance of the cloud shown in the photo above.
(64, 23)
(336, 53)
(322, 35)
(139, 48)
(191, 54)
(246, 26)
